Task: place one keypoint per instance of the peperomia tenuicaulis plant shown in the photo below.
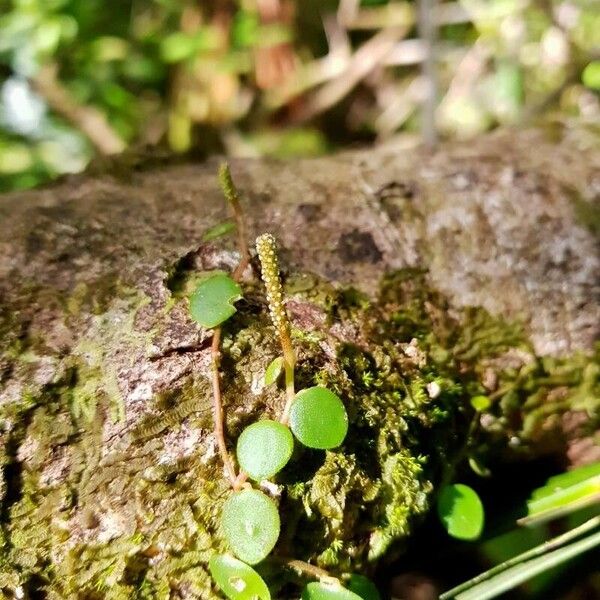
(315, 417)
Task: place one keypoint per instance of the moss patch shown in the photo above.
(135, 515)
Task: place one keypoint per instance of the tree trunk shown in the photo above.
(111, 484)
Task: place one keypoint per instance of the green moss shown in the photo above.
(138, 522)
(533, 395)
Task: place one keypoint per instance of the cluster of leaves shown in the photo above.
(174, 70)
(250, 519)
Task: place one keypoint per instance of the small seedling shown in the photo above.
(478, 467)
(236, 579)
(251, 525)
(461, 511)
(264, 448)
(318, 418)
(212, 302)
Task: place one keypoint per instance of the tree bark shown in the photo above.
(93, 271)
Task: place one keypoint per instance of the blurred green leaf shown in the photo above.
(508, 90)
(15, 158)
(362, 586)
(480, 403)
(177, 47)
(591, 75)
(180, 46)
(109, 48)
(245, 28)
(564, 494)
(218, 231)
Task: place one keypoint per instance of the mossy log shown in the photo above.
(414, 279)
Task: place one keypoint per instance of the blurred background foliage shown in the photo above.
(80, 78)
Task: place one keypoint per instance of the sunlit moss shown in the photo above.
(133, 522)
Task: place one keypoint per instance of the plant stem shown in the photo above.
(87, 119)
(233, 198)
(218, 406)
(240, 480)
(231, 194)
(305, 568)
(289, 359)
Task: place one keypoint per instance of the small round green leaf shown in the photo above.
(362, 586)
(461, 511)
(318, 418)
(274, 370)
(212, 302)
(264, 448)
(480, 403)
(218, 230)
(236, 579)
(251, 525)
(327, 591)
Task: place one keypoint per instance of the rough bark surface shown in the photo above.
(92, 269)
(509, 223)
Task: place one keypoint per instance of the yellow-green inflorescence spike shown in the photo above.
(266, 246)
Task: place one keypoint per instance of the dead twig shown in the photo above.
(90, 121)
(364, 60)
(316, 72)
(274, 63)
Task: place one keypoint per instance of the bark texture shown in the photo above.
(98, 354)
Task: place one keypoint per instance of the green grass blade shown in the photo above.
(564, 494)
(504, 572)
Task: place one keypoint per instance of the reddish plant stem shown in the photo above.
(218, 406)
(230, 192)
